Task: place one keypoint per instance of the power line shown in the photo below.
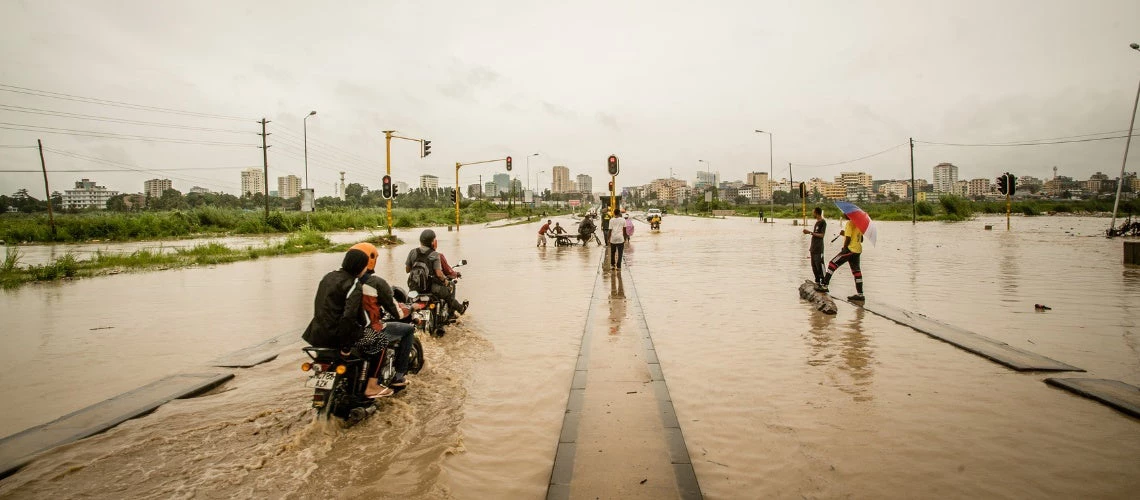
(122, 169)
(885, 151)
(64, 114)
(111, 135)
(136, 168)
(106, 102)
(13, 146)
(1009, 144)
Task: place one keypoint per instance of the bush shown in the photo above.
(924, 208)
(404, 221)
(956, 208)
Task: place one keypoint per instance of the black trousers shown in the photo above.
(617, 250)
(444, 292)
(817, 266)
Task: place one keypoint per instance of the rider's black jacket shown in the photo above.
(336, 312)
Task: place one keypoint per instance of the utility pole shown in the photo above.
(913, 193)
(265, 165)
(792, 186)
(388, 171)
(47, 190)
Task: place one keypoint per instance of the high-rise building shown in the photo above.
(502, 184)
(560, 183)
(155, 187)
(289, 186)
(252, 182)
(585, 184)
(490, 188)
(87, 195)
(945, 178)
(429, 181)
(978, 187)
(474, 191)
(706, 178)
(856, 179)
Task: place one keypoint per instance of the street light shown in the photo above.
(1127, 143)
(305, 121)
(708, 165)
(537, 177)
(771, 173)
(528, 170)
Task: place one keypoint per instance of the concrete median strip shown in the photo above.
(620, 434)
(19, 449)
(1114, 393)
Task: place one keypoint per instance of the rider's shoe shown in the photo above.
(857, 297)
(821, 288)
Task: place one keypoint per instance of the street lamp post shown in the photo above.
(708, 166)
(1127, 143)
(771, 173)
(528, 170)
(305, 122)
(537, 177)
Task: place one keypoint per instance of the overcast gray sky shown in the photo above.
(662, 84)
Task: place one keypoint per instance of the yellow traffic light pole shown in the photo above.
(457, 165)
(388, 136)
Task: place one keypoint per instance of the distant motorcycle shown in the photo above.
(655, 222)
(432, 312)
(338, 379)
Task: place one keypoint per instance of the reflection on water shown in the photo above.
(1009, 271)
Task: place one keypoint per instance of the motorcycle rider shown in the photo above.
(427, 253)
(376, 295)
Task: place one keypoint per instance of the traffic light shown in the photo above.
(1012, 183)
(426, 149)
(803, 190)
(454, 195)
(1001, 182)
(387, 189)
(611, 186)
(612, 165)
(395, 191)
(508, 164)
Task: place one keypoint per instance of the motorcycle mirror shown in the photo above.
(463, 262)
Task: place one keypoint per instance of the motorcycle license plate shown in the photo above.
(323, 380)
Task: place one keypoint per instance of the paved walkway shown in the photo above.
(620, 437)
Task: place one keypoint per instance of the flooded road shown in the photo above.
(775, 400)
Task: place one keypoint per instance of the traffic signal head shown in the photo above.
(803, 190)
(426, 149)
(508, 164)
(395, 191)
(611, 186)
(454, 195)
(387, 187)
(612, 165)
(1012, 183)
(1001, 183)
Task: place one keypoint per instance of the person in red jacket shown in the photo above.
(542, 234)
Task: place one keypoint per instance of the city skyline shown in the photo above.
(675, 90)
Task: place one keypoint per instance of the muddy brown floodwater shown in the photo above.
(775, 400)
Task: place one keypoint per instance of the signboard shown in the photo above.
(708, 196)
(575, 203)
(307, 200)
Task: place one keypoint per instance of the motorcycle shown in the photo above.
(339, 379)
(655, 222)
(432, 313)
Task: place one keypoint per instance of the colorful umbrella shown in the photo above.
(860, 218)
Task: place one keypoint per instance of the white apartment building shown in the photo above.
(155, 187)
(252, 181)
(289, 186)
(429, 181)
(897, 188)
(945, 178)
(978, 187)
(87, 195)
(585, 184)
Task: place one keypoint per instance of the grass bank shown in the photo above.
(952, 208)
(212, 221)
(305, 240)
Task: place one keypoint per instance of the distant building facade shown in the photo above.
(87, 195)
(429, 181)
(560, 180)
(252, 182)
(585, 184)
(289, 186)
(502, 184)
(155, 187)
(945, 178)
(978, 187)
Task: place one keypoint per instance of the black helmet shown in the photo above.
(427, 237)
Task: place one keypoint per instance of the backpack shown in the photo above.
(419, 279)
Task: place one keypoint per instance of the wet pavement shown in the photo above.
(774, 398)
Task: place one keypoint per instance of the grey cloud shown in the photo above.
(608, 120)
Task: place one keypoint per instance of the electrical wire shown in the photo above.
(106, 102)
(885, 151)
(122, 169)
(1011, 144)
(136, 168)
(13, 146)
(111, 135)
(65, 114)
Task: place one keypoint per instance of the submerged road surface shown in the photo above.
(773, 398)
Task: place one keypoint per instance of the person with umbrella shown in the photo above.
(858, 224)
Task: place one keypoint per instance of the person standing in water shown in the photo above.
(816, 249)
(852, 248)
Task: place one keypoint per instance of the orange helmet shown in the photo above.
(369, 250)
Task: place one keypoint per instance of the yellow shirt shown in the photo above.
(856, 236)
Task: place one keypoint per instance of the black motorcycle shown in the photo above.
(339, 379)
(431, 312)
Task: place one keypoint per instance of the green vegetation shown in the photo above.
(305, 240)
(947, 208)
(213, 221)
